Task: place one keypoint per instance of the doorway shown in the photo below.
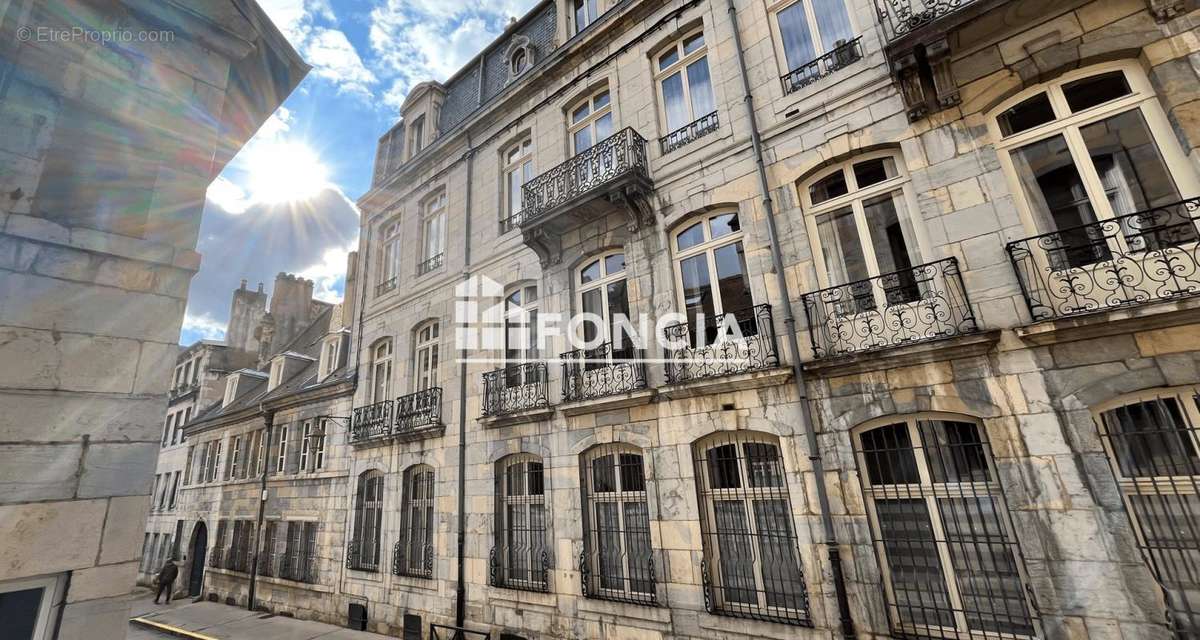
(197, 556)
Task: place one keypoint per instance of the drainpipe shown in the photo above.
(789, 323)
(460, 607)
(265, 454)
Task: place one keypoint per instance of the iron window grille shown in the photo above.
(843, 54)
(727, 344)
(589, 374)
(412, 555)
(1128, 260)
(362, 553)
(240, 546)
(431, 264)
(515, 388)
(919, 304)
(520, 559)
(617, 561)
(751, 565)
(298, 562)
(216, 556)
(942, 534)
(1153, 449)
(267, 555)
(689, 133)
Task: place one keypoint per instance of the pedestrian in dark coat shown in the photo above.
(166, 580)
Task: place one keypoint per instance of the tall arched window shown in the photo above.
(390, 260)
(381, 370)
(591, 121)
(363, 551)
(710, 265)
(413, 555)
(751, 560)
(518, 169)
(1153, 446)
(520, 559)
(602, 292)
(433, 234)
(425, 356)
(617, 562)
(1091, 146)
(685, 88)
(521, 335)
(942, 534)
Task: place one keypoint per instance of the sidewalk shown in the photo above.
(213, 621)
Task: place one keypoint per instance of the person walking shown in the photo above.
(166, 580)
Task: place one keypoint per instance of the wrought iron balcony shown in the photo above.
(589, 374)
(401, 566)
(919, 304)
(516, 388)
(902, 17)
(842, 55)
(1134, 259)
(526, 568)
(372, 421)
(612, 175)
(431, 264)
(728, 344)
(385, 286)
(417, 410)
(689, 133)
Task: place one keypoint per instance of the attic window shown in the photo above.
(520, 56)
(276, 374)
(231, 384)
(329, 356)
(519, 62)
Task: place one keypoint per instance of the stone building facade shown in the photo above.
(924, 278)
(114, 118)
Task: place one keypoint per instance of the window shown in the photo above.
(174, 490)
(746, 518)
(178, 436)
(1094, 145)
(586, 12)
(942, 534)
(618, 563)
(520, 559)
(433, 234)
(31, 606)
(268, 555)
(187, 466)
(591, 121)
(299, 558)
(240, 548)
(1152, 446)
(329, 356)
(215, 467)
(810, 28)
(168, 428)
(518, 169)
(144, 567)
(425, 357)
(390, 260)
(521, 336)
(319, 446)
(217, 557)
(858, 221)
(684, 85)
(710, 264)
(305, 444)
(416, 136)
(281, 445)
(381, 382)
(414, 550)
(602, 292)
(276, 376)
(519, 61)
(255, 453)
(368, 521)
(235, 457)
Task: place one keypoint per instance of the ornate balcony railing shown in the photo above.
(371, 421)
(727, 344)
(431, 264)
(620, 154)
(420, 409)
(402, 567)
(689, 133)
(1134, 259)
(918, 304)
(385, 286)
(356, 558)
(901, 17)
(526, 568)
(589, 374)
(520, 387)
(842, 55)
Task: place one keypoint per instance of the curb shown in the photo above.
(168, 629)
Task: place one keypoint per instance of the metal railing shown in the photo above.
(431, 264)
(401, 566)
(519, 387)
(355, 558)
(727, 344)
(901, 17)
(447, 632)
(521, 568)
(842, 55)
(371, 421)
(620, 154)
(1133, 259)
(589, 374)
(420, 409)
(385, 286)
(918, 304)
(689, 133)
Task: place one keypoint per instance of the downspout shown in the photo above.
(460, 607)
(265, 455)
(789, 323)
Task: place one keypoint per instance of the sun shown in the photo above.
(280, 172)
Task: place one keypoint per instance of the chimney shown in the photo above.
(243, 287)
(291, 307)
(245, 311)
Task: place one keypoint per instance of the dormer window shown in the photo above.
(520, 56)
(231, 384)
(276, 374)
(519, 62)
(329, 355)
(585, 12)
(416, 136)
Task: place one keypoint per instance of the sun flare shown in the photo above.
(285, 172)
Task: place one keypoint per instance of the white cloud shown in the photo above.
(227, 195)
(311, 27)
(203, 326)
(329, 275)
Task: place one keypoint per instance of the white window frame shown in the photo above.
(516, 161)
(389, 266)
(51, 586)
(680, 67)
(305, 444)
(235, 451)
(381, 365)
(319, 445)
(621, 496)
(433, 230)
(426, 355)
(529, 353)
(427, 504)
(526, 501)
(814, 30)
(589, 120)
(329, 355)
(281, 455)
(708, 248)
(601, 283)
(416, 136)
(592, 9)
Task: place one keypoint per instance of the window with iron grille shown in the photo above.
(617, 563)
(267, 555)
(520, 559)
(363, 553)
(1152, 445)
(240, 546)
(950, 564)
(216, 556)
(294, 552)
(414, 550)
(751, 565)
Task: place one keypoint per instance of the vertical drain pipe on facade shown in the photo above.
(269, 420)
(460, 607)
(789, 322)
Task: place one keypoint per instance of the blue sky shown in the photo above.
(285, 203)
